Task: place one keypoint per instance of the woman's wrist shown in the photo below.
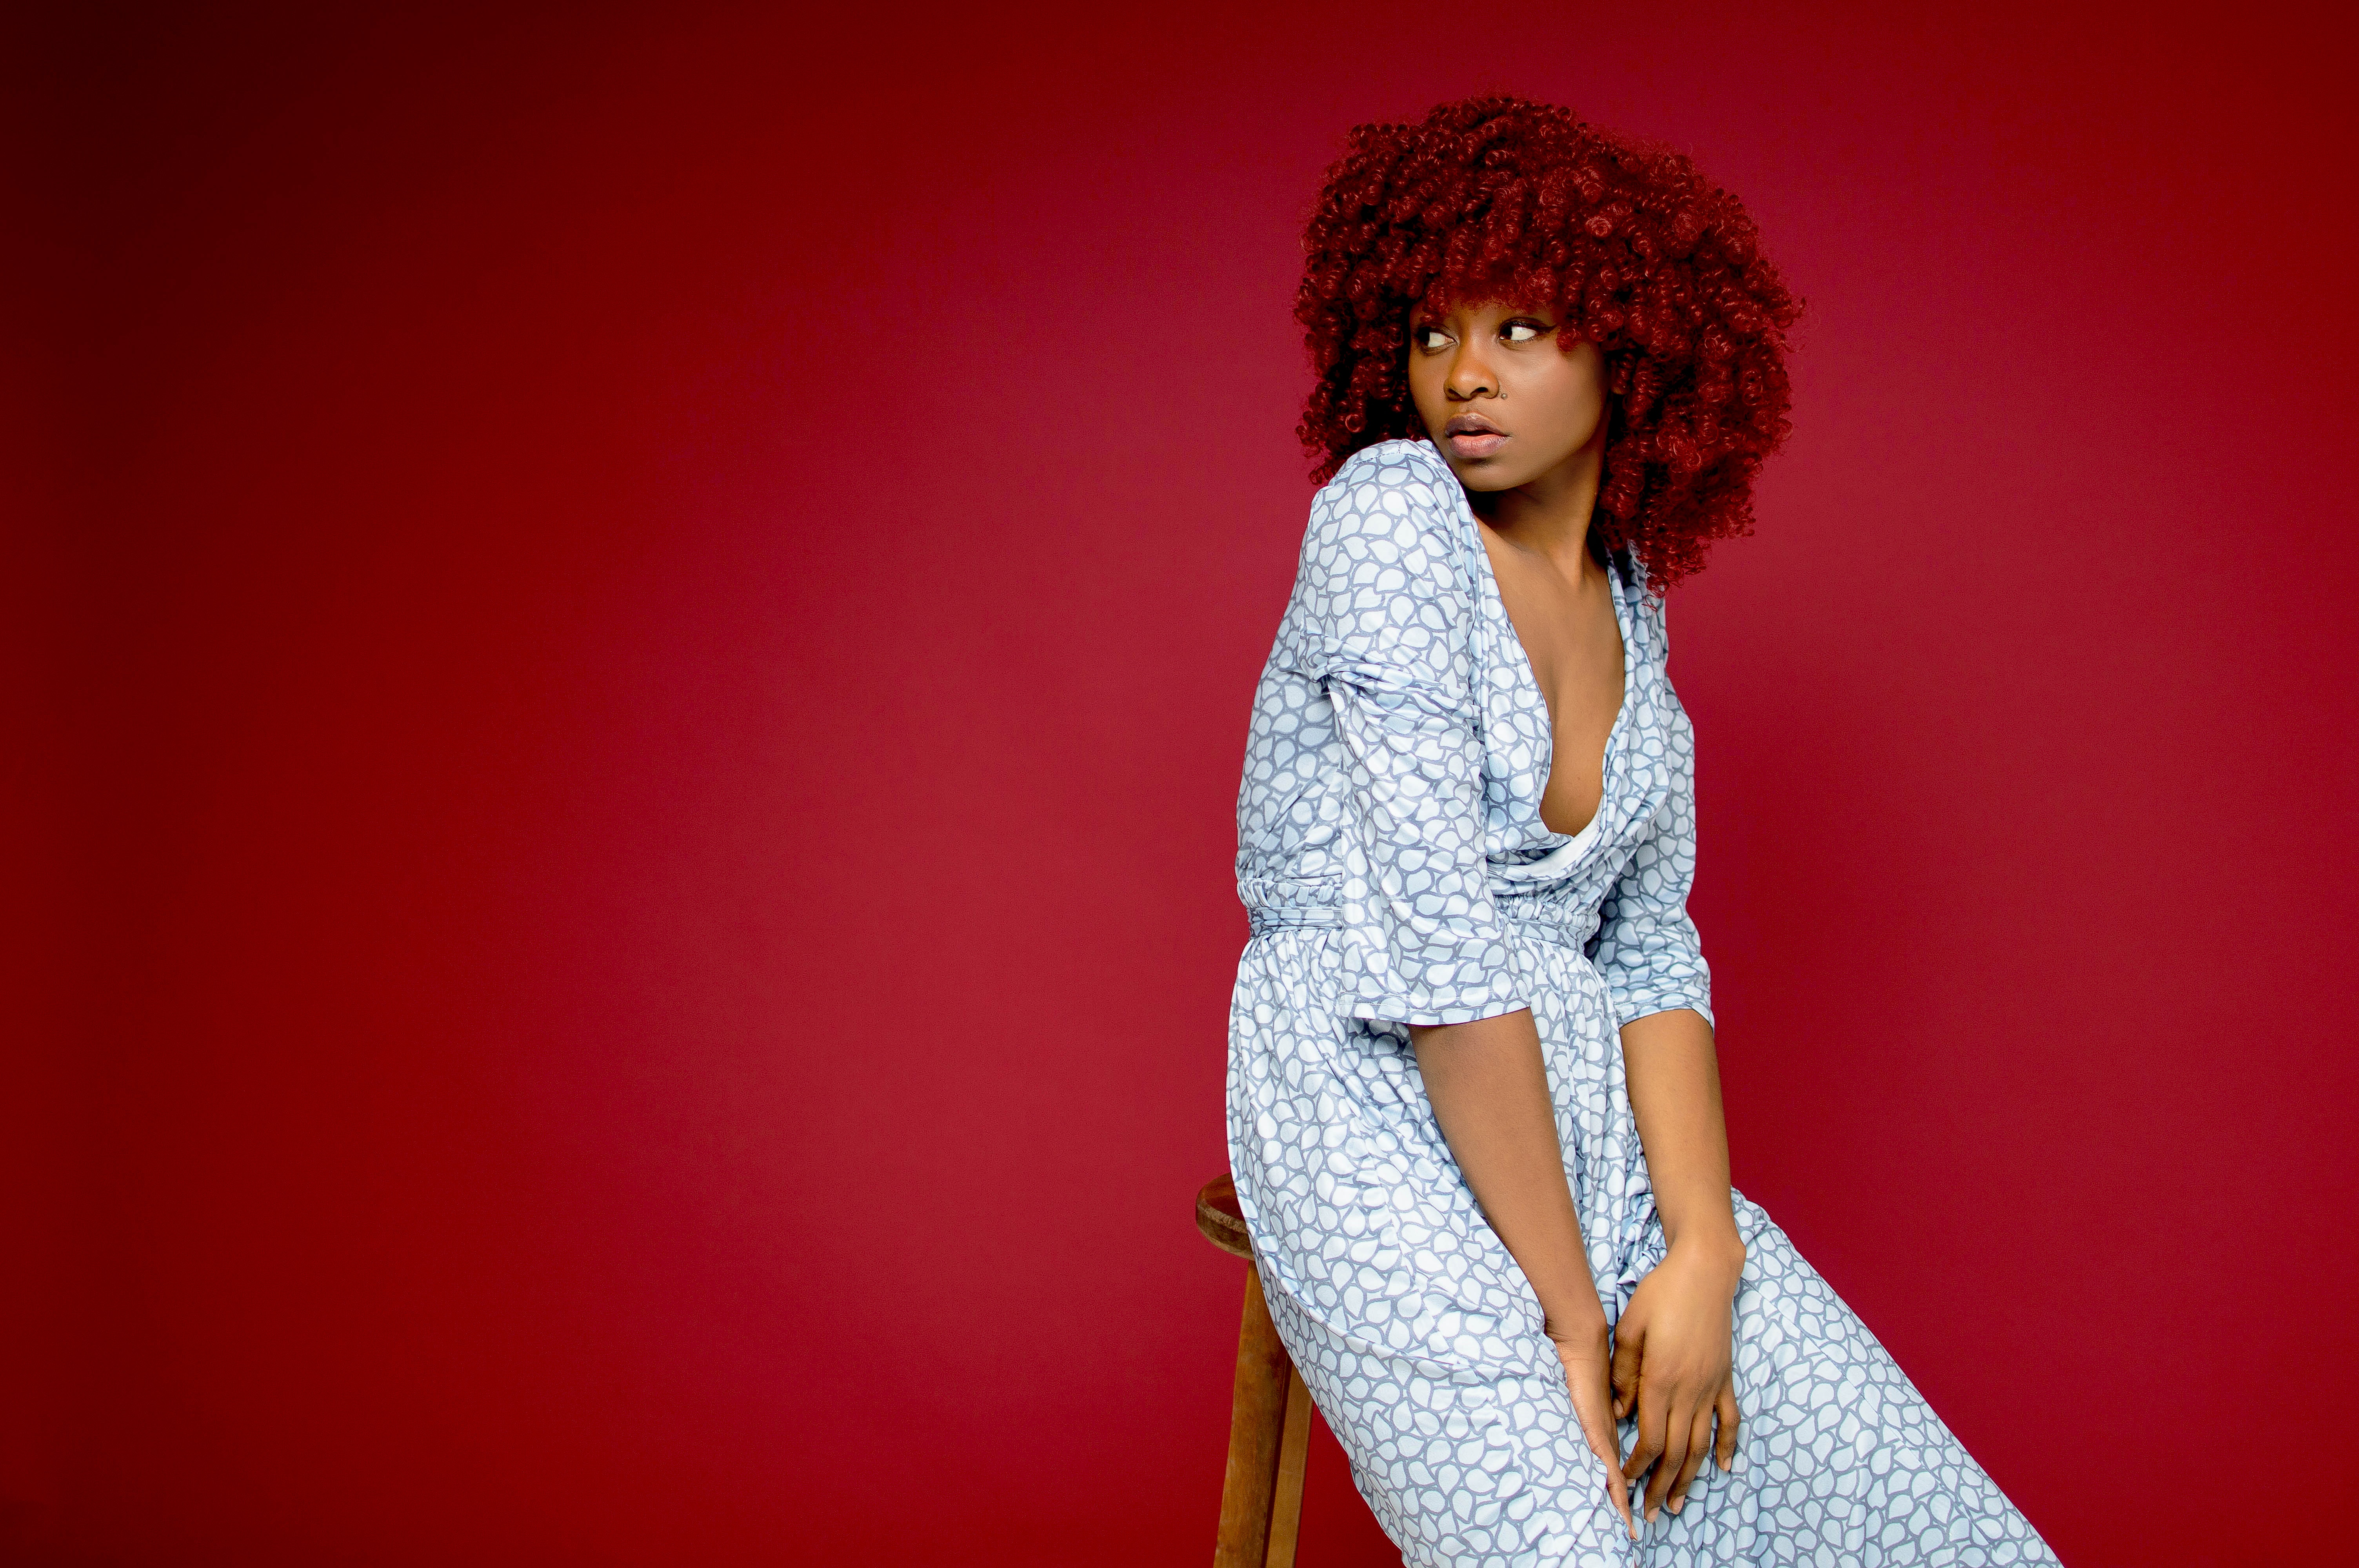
(1715, 1247)
(1575, 1323)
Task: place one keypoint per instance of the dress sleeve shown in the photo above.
(1382, 614)
(1646, 948)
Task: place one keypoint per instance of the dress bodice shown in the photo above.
(1398, 751)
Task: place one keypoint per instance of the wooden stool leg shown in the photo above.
(1257, 1422)
(1285, 1509)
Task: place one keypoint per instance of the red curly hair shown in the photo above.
(1495, 197)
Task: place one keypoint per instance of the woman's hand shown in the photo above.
(1671, 1356)
(1586, 1375)
(1673, 1347)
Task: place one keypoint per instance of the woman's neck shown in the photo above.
(1548, 515)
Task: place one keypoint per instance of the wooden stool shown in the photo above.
(1269, 1418)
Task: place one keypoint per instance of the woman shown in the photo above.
(1473, 1109)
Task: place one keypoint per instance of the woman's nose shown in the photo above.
(1470, 377)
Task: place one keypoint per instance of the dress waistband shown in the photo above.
(1553, 912)
(1263, 918)
(1559, 918)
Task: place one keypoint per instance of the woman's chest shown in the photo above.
(1560, 658)
(1633, 760)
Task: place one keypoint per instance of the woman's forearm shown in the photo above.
(1674, 1078)
(1489, 1093)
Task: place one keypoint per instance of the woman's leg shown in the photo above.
(1470, 1465)
(1840, 1460)
(1418, 1335)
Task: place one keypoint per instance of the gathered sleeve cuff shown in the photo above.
(1382, 618)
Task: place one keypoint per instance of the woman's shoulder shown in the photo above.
(1646, 607)
(1396, 491)
(1410, 471)
(1385, 544)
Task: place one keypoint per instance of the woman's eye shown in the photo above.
(1430, 337)
(1522, 331)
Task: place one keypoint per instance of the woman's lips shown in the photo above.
(1476, 443)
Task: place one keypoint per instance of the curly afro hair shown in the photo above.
(1495, 197)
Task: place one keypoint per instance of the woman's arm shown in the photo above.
(1672, 1347)
(1489, 1093)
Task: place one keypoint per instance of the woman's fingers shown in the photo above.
(1729, 1419)
(1629, 1342)
(1618, 1491)
(1649, 1446)
(1699, 1444)
(1664, 1415)
(1677, 1421)
(1592, 1406)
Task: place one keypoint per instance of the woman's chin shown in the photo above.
(1487, 474)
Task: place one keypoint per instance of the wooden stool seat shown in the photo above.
(1269, 1413)
(1220, 1218)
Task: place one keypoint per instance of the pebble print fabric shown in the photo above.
(1396, 870)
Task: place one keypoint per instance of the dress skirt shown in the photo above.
(1421, 1341)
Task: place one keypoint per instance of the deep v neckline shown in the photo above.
(1530, 680)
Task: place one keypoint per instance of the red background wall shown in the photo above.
(636, 629)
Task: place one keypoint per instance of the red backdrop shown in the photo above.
(636, 629)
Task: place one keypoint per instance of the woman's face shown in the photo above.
(1504, 402)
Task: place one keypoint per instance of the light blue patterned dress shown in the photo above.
(1393, 860)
